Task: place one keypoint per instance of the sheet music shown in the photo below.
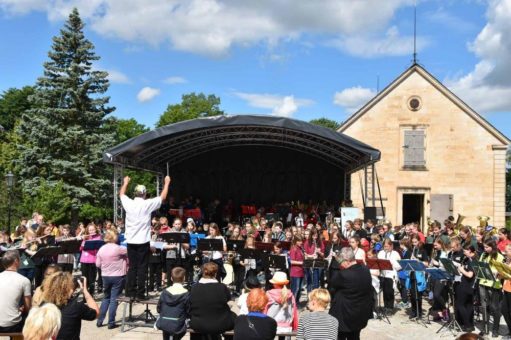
(157, 244)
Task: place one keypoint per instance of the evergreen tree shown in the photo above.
(63, 134)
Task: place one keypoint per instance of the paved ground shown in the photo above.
(399, 328)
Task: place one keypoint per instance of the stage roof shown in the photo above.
(182, 141)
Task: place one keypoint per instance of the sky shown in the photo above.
(294, 58)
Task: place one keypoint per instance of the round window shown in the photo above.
(414, 103)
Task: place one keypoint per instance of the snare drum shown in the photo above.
(229, 277)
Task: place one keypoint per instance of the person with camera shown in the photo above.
(59, 289)
(138, 233)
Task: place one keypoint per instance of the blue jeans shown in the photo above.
(112, 286)
(296, 287)
(313, 275)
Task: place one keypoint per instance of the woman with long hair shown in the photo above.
(58, 289)
(503, 240)
(389, 276)
(43, 323)
(464, 291)
(296, 256)
(27, 266)
(441, 251)
(281, 304)
(506, 287)
(88, 257)
(490, 291)
(333, 247)
(217, 256)
(417, 279)
(360, 254)
(314, 249)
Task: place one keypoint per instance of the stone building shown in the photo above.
(438, 156)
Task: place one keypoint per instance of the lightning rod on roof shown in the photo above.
(415, 33)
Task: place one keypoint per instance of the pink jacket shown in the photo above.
(286, 316)
(89, 256)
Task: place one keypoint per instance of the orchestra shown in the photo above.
(251, 250)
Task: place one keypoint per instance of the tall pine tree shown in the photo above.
(63, 135)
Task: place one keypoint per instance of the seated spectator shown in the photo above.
(15, 289)
(58, 289)
(281, 304)
(51, 269)
(210, 315)
(173, 307)
(318, 324)
(42, 323)
(111, 260)
(255, 325)
(250, 283)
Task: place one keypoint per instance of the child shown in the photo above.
(281, 304)
(173, 307)
(318, 324)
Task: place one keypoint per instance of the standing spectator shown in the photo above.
(317, 325)
(281, 304)
(138, 234)
(173, 307)
(255, 325)
(210, 315)
(352, 302)
(111, 260)
(14, 288)
(42, 323)
(58, 289)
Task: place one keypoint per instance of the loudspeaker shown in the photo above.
(370, 213)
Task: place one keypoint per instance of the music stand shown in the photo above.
(315, 263)
(93, 244)
(194, 238)
(46, 252)
(285, 245)
(210, 244)
(235, 245)
(247, 253)
(414, 266)
(380, 264)
(483, 271)
(70, 247)
(264, 246)
(450, 267)
(429, 248)
(277, 262)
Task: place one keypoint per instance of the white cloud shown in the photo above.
(175, 80)
(147, 94)
(353, 98)
(118, 77)
(487, 88)
(283, 106)
(373, 45)
(212, 27)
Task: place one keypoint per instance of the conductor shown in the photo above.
(138, 234)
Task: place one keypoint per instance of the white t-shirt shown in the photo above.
(13, 287)
(394, 257)
(138, 218)
(218, 254)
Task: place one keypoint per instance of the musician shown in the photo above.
(441, 250)
(359, 231)
(506, 299)
(406, 254)
(176, 253)
(217, 256)
(503, 240)
(17, 235)
(296, 255)
(370, 226)
(88, 257)
(360, 254)
(414, 230)
(417, 279)
(331, 250)
(249, 264)
(289, 236)
(387, 231)
(491, 291)
(278, 233)
(437, 233)
(267, 236)
(314, 249)
(480, 241)
(164, 225)
(43, 234)
(376, 244)
(464, 290)
(156, 260)
(66, 261)
(27, 266)
(389, 276)
(467, 239)
(348, 230)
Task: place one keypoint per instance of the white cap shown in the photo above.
(140, 189)
(189, 219)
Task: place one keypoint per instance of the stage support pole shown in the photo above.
(118, 178)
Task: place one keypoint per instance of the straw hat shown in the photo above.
(279, 278)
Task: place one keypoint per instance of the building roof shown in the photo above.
(416, 68)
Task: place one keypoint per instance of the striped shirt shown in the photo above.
(317, 326)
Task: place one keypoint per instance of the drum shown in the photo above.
(229, 277)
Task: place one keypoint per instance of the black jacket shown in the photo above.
(352, 297)
(209, 311)
(173, 311)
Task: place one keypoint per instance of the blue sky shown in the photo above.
(293, 58)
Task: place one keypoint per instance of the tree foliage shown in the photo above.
(13, 103)
(192, 106)
(63, 134)
(325, 122)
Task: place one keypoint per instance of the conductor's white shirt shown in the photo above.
(138, 218)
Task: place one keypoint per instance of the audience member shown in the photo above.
(317, 325)
(15, 289)
(111, 260)
(210, 315)
(281, 304)
(250, 283)
(51, 269)
(255, 325)
(43, 323)
(173, 307)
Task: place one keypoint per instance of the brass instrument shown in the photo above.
(458, 224)
(483, 223)
(429, 222)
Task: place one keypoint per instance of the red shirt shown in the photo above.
(502, 245)
(296, 254)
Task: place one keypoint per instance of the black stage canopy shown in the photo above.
(250, 159)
